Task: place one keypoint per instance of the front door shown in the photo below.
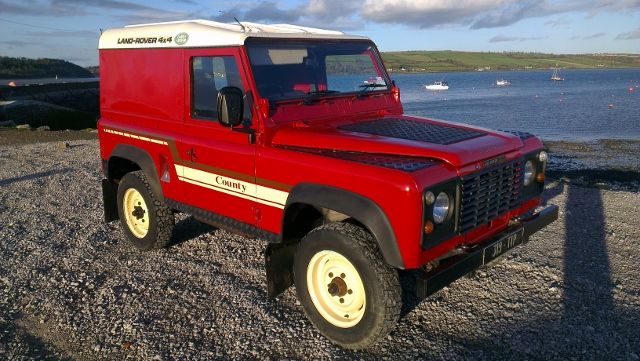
(218, 168)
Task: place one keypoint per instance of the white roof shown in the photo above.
(205, 33)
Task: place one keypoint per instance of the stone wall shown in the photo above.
(29, 104)
(21, 112)
(83, 96)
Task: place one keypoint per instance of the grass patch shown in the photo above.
(444, 61)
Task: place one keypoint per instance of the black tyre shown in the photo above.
(346, 289)
(147, 222)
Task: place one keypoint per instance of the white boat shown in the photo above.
(376, 80)
(502, 82)
(555, 76)
(439, 85)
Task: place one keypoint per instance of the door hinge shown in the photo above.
(257, 214)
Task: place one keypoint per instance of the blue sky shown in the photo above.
(69, 29)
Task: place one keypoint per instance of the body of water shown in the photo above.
(588, 105)
(47, 80)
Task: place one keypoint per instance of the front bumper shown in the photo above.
(484, 252)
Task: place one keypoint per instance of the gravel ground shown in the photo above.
(72, 288)
(12, 136)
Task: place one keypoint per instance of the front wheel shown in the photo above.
(147, 221)
(346, 289)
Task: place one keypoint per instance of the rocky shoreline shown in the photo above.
(606, 163)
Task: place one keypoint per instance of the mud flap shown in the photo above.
(278, 259)
(110, 200)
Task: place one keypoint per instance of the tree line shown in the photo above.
(21, 68)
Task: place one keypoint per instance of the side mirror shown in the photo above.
(230, 106)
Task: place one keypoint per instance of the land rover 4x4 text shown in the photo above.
(297, 136)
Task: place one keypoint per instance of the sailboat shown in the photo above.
(555, 76)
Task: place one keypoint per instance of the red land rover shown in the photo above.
(297, 136)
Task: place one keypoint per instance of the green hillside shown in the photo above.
(398, 62)
(21, 68)
(449, 61)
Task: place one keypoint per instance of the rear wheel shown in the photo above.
(346, 289)
(147, 221)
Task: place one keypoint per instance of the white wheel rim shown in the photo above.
(336, 289)
(136, 213)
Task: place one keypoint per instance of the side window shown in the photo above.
(209, 74)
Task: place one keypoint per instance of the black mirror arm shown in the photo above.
(251, 133)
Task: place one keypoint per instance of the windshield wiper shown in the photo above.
(315, 95)
(365, 87)
(373, 85)
(322, 92)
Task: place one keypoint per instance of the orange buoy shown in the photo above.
(559, 100)
(630, 89)
(610, 106)
(536, 96)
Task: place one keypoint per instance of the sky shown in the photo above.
(70, 29)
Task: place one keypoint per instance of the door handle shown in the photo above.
(192, 154)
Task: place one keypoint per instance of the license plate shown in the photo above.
(502, 246)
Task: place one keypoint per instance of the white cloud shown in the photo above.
(501, 38)
(632, 35)
(559, 22)
(594, 36)
(479, 14)
(330, 10)
(326, 14)
(428, 13)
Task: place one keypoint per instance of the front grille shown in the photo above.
(412, 130)
(490, 194)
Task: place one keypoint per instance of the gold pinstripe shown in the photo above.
(219, 180)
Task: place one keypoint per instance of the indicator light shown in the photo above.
(428, 227)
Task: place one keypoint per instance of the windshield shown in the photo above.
(285, 70)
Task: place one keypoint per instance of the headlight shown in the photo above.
(542, 156)
(429, 198)
(441, 207)
(529, 172)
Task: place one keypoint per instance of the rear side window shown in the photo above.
(209, 74)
